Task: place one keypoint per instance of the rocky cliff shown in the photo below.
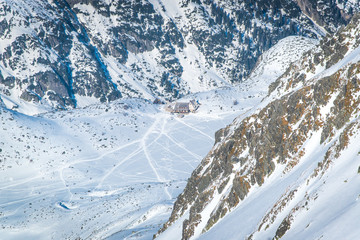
(77, 52)
(311, 125)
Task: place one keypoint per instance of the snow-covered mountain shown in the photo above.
(72, 53)
(290, 169)
(85, 154)
(114, 170)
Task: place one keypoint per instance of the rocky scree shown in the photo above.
(248, 151)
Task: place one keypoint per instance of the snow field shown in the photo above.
(95, 171)
(110, 169)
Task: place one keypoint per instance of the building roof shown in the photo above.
(181, 106)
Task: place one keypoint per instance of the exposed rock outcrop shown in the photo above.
(58, 52)
(318, 96)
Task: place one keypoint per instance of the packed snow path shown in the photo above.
(115, 170)
(100, 172)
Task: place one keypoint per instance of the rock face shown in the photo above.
(316, 98)
(62, 53)
(46, 55)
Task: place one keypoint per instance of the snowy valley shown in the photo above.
(117, 167)
(291, 169)
(272, 151)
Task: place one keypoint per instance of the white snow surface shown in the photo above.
(324, 205)
(331, 201)
(114, 170)
(95, 171)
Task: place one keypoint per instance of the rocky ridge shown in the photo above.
(77, 52)
(316, 101)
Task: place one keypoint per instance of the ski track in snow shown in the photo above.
(195, 129)
(151, 161)
(196, 156)
(19, 183)
(129, 156)
(99, 158)
(164, 158)
(111, 187)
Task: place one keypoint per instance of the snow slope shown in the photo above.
(112, 168)
(92, 172)
(254, 90)
(290, 169)
(327, 205)
(66, 54)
